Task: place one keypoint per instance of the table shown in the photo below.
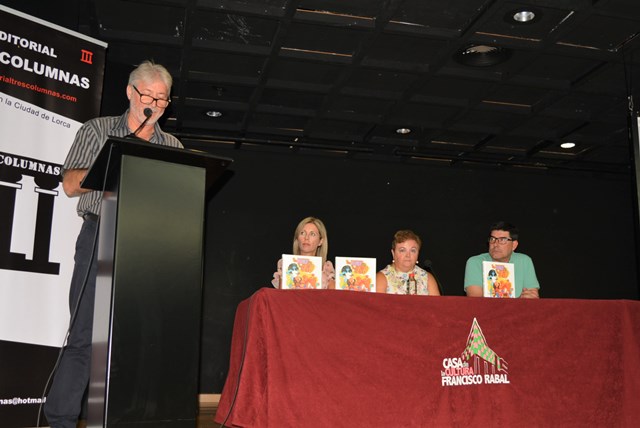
(331, 358)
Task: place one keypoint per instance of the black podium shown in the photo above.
(147, 319)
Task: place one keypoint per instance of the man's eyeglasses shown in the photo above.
(148, 99)
(502, 240)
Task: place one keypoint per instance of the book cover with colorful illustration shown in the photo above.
(301, 272)
(356, 273)
(498, 280)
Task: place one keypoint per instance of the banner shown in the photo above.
(50, 83)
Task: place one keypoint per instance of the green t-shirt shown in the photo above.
(524, 272)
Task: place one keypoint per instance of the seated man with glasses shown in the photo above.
(503, 240)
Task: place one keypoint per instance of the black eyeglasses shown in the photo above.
(502, 240)
(148, 99)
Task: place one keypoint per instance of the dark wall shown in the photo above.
(578, 229)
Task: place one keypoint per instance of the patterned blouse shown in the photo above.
(398, 282)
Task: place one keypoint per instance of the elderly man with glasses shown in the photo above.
(148, 91)
(503, 240)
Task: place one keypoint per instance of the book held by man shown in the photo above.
(498, 280)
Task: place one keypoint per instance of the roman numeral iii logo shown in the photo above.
(86, 56)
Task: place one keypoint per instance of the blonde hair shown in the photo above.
(323, 249)
(404, 235)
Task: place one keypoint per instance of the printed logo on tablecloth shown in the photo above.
(477, 365)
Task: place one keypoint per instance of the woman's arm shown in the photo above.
(329, 275)
(277, 275)
(381, 283)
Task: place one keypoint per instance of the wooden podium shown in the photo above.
(147, 319)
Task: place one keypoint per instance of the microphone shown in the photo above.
(428, 266)
(147, 114)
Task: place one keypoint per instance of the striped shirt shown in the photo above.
(89, 140)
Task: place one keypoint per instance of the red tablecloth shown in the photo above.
(328, 358)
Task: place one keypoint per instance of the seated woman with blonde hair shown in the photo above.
(402, 276)
(310, 239)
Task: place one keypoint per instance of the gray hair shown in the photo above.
(149, 70)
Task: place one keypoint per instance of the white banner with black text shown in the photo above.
(50, 83)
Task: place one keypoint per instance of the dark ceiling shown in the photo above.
(339, 77)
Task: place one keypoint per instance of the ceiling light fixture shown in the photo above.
(403, 131)
(213, 113)
(482, 55)
(568, 145)
(524, 16)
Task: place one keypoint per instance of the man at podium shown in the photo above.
(148, 91)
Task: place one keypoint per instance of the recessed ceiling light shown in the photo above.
(524, 16)
(213, 113)
(568, 145)
(403, 131)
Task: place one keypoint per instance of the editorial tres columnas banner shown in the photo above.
(50, 83)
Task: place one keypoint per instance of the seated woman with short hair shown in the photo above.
(402, 276)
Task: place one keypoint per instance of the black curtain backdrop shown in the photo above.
(577, 228)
